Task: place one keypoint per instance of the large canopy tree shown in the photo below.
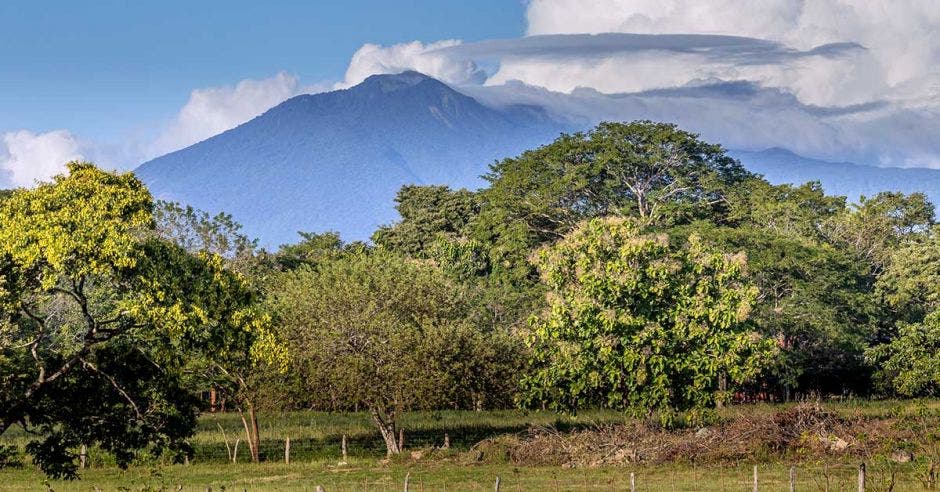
(100, 317)
(635, 324)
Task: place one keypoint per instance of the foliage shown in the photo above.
(427, 212)
(100, 317)
(910, 283)
(876, 226)
(815, 300)
(910, 364)
(196, 230)
(653, 171)
(786, 210)
(634, 324)
(390, 334)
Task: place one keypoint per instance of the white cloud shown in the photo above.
(898, 35)
(27, 157)
(373, 59)
(213, 110)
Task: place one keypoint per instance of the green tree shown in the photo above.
(653, 171)
(875, 226)
(910, 283)
(786, 210)
(815, 300)
(427, 212)
(637, 325)
(390, 334)
(910, 363)
(312, 249)
(100, 318)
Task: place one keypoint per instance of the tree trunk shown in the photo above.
(252, 432)
(386, 425)
(722, 388)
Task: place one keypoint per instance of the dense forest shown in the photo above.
(632, 267)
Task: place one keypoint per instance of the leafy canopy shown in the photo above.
(636, 325)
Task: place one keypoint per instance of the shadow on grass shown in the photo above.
(370, 444)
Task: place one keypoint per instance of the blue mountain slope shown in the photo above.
(840, 178)
(334, 161)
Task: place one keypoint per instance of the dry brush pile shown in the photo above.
(805, 432)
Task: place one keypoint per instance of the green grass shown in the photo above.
(315, 455)
(369, 475)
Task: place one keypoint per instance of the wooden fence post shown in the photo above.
(344, 448)
(407, 478)
(632, 482)
(792, 479)
(446, 441)
(287, 451)
(755, 478)
(861, 477)
(497, 484)
(401, 439)
(83, 457)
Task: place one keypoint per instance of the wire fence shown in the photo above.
(834, 477)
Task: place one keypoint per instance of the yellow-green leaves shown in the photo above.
(84, 223)
(634, 323)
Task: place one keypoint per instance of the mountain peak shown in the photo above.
(397, 81)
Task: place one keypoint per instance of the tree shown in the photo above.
(786, 210)
(652, 171)
(312, 249)
(875, 226)
(910, 283)
(636, 325)
(195, 230)
(816, 301)
(390, 334)
(427, 212)
(100, 318)
(910, 363)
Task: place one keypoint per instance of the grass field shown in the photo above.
(316, 458)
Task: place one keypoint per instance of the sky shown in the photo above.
(120, 82)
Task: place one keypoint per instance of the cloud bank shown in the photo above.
(832, 79)
(27, 157)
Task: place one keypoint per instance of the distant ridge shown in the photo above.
(840, 178)
(334, 161)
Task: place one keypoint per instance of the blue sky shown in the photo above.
(101, 68)
(121, 82)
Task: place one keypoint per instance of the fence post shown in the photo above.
(401, 439)
(407, 477)
(861, 477)
(446, 441)
(83, 457)
(632, 482)
(287, 451)
(755, 478)
(497, 483)
(792, 479)
(344, 448)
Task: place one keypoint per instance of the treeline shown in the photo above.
(632, 267)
